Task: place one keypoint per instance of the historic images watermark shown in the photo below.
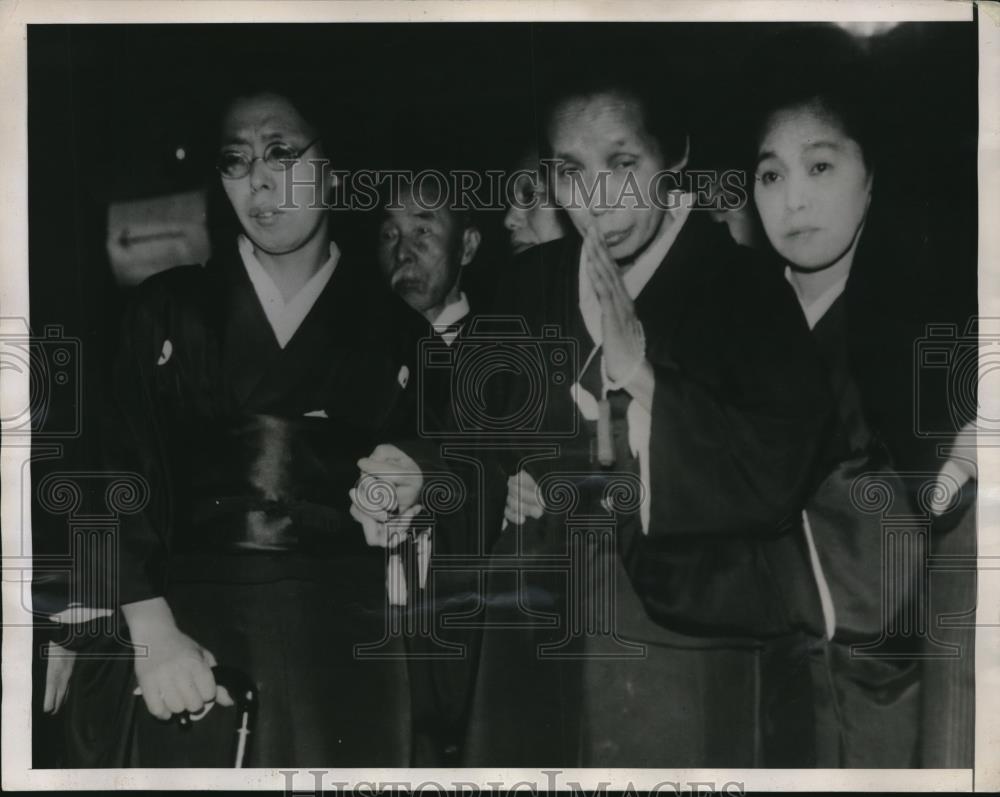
(464, 190)
(317, 782)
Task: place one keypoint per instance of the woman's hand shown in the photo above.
(58, 669)
(174, 672)
(396, 486)
(382, 534)
(523, 499)
(624, 346)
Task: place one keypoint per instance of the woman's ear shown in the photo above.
(471, 238)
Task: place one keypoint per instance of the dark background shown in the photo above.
(108, 106)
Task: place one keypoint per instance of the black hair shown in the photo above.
(665, 111)
(304, 91)
(819, 66)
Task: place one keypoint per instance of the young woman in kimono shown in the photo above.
(648, 480)
(244, 393)
(815, 178)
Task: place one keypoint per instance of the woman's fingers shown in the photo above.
(387, 451)
(619, 323)
(603, 261)
(373, 529)
(607, 268)
(514, 510)
(381, 529)
(152, 697)
(390, 460)
(204, 681)
(619, 303)
(376, 502)
(187, 690)
(171, 695)
(511, 516)
(607, 281)
(388, 487)
(523, 499)
(597, 276)
(404, 519)
(377, 493)
(222, 696)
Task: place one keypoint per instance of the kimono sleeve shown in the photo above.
(731, 453)
(134, 441)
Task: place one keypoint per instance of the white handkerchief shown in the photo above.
(403, 377)
(585, 400)
(424, 555)
(395, 580)
(640, 426)
(950, 481)
(165, 352)
(316, 414)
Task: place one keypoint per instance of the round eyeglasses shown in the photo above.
(279, 156)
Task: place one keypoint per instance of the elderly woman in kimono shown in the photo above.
(650, 480)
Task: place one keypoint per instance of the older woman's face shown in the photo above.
(280, 211)
(812, 188)
(603, 138)
(532, 219)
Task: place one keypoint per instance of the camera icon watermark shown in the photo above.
(52, 364)
(93, 504)
(532, 367)
(954, 363)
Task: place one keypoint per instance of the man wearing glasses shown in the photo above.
(244, 393)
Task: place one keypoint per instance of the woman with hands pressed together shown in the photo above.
(694, 406)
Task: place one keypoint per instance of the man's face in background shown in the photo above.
(421, 252)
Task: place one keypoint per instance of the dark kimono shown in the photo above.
(613, 646)
(249, 451)
(868, 544)
(900, 284)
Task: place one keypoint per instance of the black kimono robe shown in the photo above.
(249, 451)
(702, 660)
(904, 279)
(867, 674)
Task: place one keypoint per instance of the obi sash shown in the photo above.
(265, 483)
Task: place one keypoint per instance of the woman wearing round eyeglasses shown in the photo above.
(244, 393)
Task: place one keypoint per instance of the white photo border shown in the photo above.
(15, 510)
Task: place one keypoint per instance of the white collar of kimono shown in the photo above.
(285, 317)
(640, 423)
(639, 274)
(452, 314)
(817, 308)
